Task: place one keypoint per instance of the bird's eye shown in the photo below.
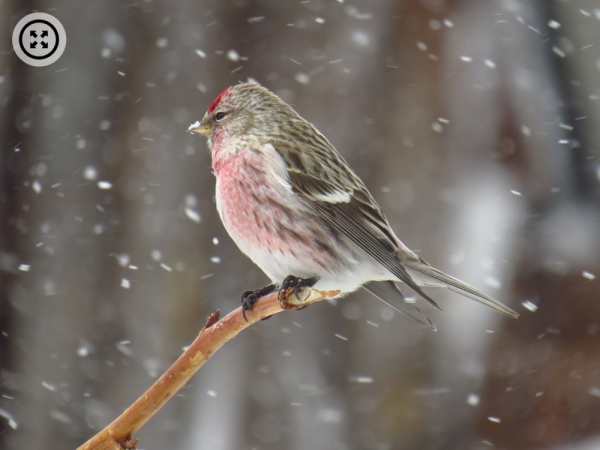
(220, 116)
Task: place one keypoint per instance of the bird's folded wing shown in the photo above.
(348, 208)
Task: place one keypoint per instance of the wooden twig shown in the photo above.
(118, 435)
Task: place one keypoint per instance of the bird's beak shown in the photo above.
(204, 127)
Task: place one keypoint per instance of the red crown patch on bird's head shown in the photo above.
(216, 101)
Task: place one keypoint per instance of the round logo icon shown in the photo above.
(39, 39)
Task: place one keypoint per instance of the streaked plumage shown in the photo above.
(293, 205)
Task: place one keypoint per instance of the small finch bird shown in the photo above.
(294, 206)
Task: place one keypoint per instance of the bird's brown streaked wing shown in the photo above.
(351, 211)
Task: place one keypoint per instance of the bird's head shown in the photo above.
(243, 109)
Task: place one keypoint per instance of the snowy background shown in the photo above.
(474, 123)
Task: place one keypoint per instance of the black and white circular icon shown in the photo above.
(39, 39)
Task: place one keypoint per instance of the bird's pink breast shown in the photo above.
(247, 200)
(266, 220)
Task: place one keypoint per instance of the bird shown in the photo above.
(294, 206)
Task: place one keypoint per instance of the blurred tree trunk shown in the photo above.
(63, 236)
(543, 369)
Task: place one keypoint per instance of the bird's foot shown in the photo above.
(294, 285)
(249, 297)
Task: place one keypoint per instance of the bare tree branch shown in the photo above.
(215, 333)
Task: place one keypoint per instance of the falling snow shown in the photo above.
(49, 386)
(90, 173)
(473, 399)
(83, 350)
(530, 306)
(554, 24)
(492, 282)
(594, 391)
(437, 127)
(9, 418)
(36, 186)
(558, 51)
(363, 379)
(192, 214)
(105, 185)
(302, 78)
(232, 55)
(123, 259)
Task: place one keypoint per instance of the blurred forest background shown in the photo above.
(475, 123)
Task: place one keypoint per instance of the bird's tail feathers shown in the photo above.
(425, 275)
(385, 290)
